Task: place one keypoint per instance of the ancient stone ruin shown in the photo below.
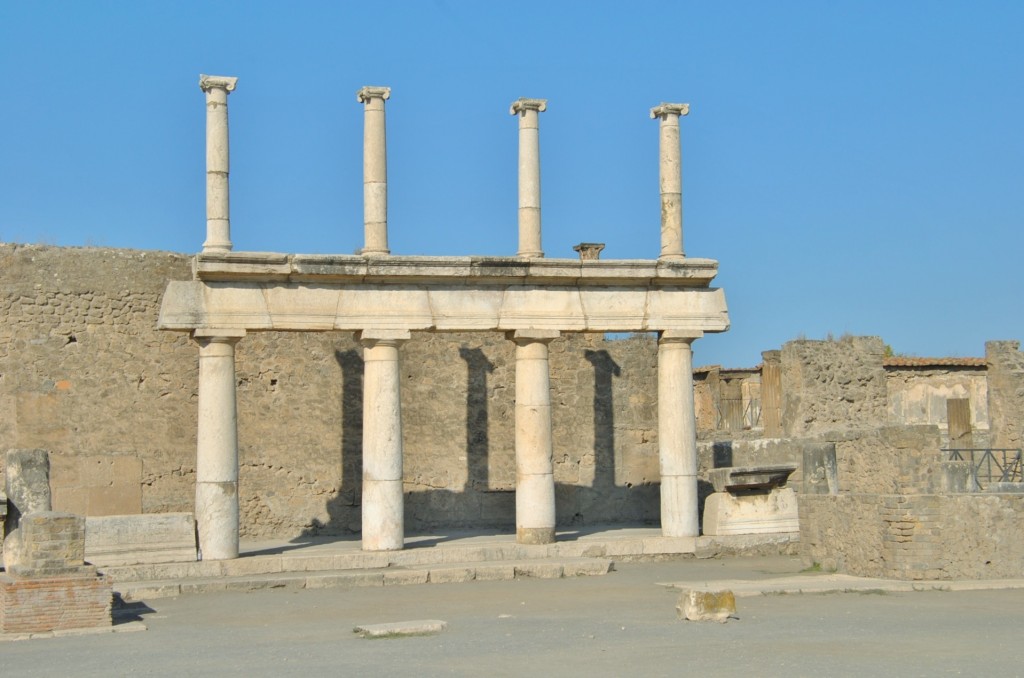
(377, 394)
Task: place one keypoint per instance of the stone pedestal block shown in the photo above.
(27, 484)
(755, 513)
(706, 605)
(820, 472)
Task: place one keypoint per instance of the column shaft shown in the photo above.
(217, 449)
(677, 437)
(383, 517)
(535, 480)
(528, 111)
(375, 170)
(218, 205)
(670, 178)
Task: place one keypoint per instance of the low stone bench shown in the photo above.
(751, 500)
(140, 539)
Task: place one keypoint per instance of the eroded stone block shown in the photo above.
(697, 605)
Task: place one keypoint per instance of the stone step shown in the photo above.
(330, 560)
(437, 573)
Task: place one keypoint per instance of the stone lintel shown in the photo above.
(670, 109)
(442, 305)
(522, 104)
(208, 82)
(370, 92)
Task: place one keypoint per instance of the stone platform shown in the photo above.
(454, 557)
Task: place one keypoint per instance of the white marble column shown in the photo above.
(670, 178)
(529, 174)
(218, 218)
(217, 445)
(382, 503)
(535, 480)
(677, 434)
(375, 170)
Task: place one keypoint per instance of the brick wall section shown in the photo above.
(54, 604)
(1005, 393)
(829, 385)
(916, 537)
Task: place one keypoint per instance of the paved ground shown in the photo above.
(620, 624)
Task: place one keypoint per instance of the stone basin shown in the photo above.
(733, 478)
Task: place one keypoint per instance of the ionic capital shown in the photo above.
(366, 93)
(226, 83)
(679, 336)
(393, 338)
(521, 105)
(670, 109)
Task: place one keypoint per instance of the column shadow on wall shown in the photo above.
(604, 502)
(475, 506)
(343, 510)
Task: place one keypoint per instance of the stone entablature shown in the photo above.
(261, 291)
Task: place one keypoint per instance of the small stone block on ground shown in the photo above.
(419, 627)
(697, 605)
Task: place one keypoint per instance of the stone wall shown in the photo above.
(1005, 364)
(829, 385)
(84, 374)
(920, 537)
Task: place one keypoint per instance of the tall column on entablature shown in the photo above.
(217, 445)
(677, 434)
(375, 170)
(382, 503)
(670, 178)
(535, 480)
(529, 174)
(218, 218)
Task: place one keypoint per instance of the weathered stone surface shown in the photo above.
(751, 513)
(829, 385)
(820, 470)
(419, 627)
(27, 485)
(49, 544)
(1005, 363)
(695, 605)
(730, 479)
(141, 538)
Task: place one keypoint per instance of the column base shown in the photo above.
(535, 535)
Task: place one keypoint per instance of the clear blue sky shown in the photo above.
(854, 167)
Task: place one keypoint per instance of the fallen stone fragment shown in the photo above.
(706, 605)
(419, 627)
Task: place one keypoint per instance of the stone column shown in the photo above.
(535, 480)
(218, 219)
(529, 174)
(670, 178)
(677, 434)
(217, 445)
(382, 504)
(375, 170)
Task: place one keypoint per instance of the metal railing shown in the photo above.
(991, 465)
